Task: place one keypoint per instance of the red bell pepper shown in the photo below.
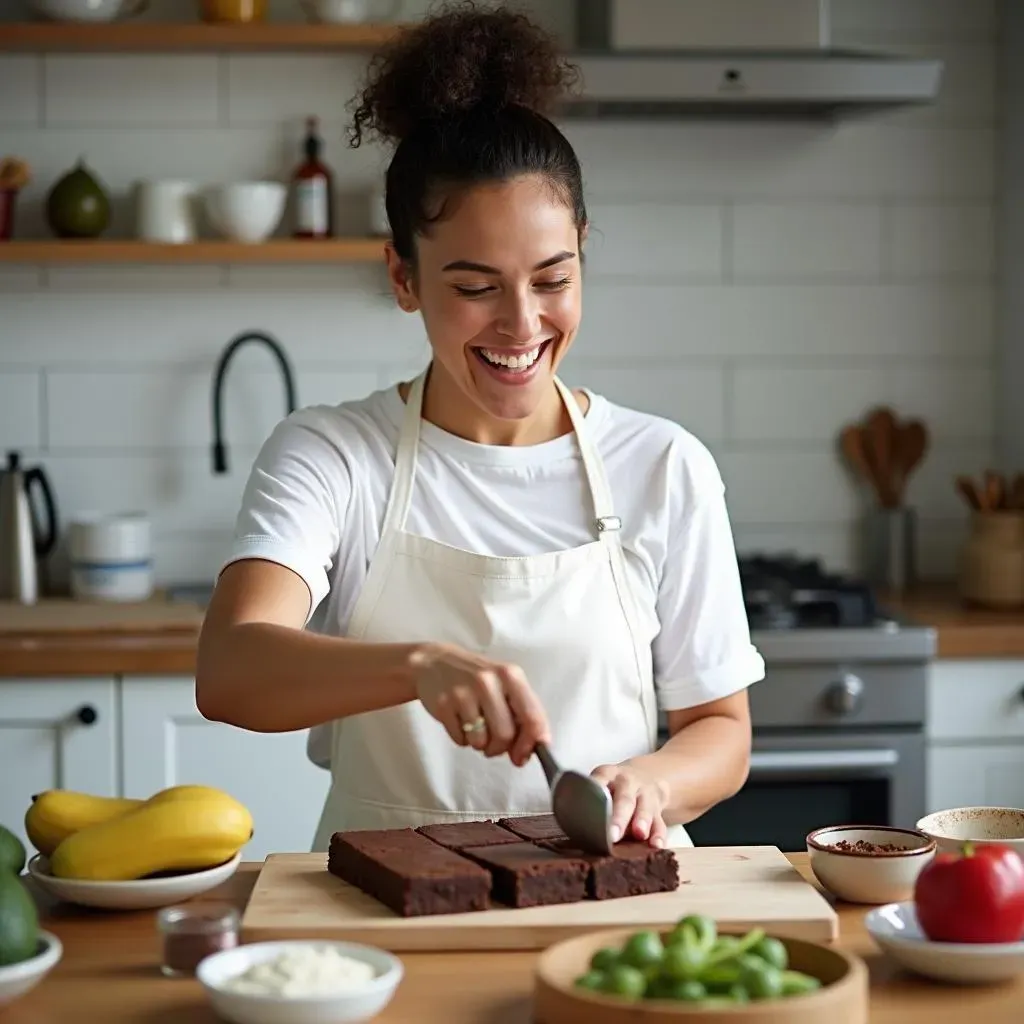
(974, 896)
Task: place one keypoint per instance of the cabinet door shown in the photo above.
(167, 742)
(54, 734)
(964, 776)
(976, 700)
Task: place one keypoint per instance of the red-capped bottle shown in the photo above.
(313, 186)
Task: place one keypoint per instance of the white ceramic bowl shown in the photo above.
(953, 827)
(357, 1005)
(85, 10)
(897, 932)
(141, 894)
(245, 211)
(859, 877)
(17, 979)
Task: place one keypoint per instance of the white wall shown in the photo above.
(760, 283)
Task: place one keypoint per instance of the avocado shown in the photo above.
(12, 852)
(77, 206)
(19, 921)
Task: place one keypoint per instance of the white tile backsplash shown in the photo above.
(762, 283)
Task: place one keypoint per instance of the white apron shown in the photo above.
(567, 618)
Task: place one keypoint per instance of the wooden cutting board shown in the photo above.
(54, 616)
(742, 886)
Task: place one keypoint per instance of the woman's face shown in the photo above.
(497, 282)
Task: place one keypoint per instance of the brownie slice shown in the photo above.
(526, 875)
(457, 835)
(535, 828)
(408, 873)
(633, 869)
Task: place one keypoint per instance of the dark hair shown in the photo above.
(465, 94)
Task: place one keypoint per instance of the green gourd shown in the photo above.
(77, 205)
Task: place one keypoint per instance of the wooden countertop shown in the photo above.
(110, 973)
(963, 632)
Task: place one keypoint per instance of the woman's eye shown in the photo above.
(554, 286)
(470, 291)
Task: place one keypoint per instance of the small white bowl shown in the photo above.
(862, 877)
(359, 1004)
(246, 211)
(896, 930)
(953, 827)
(140, 894)
(17, 979)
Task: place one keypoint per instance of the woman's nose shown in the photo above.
(519, 317)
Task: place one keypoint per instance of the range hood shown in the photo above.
(686, 58)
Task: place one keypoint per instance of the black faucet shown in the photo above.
(220, 461)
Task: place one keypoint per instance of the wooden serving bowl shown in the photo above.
(842, 999)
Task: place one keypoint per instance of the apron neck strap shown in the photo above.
(400, 498)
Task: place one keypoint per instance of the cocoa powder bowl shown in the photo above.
(191, 933)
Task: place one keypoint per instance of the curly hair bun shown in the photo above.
(462, 60)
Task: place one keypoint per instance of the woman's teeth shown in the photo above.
(521, 361)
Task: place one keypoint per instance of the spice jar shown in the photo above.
(191, 933)
(992, 560)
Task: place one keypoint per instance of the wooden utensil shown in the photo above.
(1017, 492)
(969, 492)
(739, 886)
(880, 433)
(854, 449)
(912, 444)
(995, 490)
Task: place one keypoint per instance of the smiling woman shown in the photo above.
(438, 576)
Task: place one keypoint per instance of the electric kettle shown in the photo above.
(22, 540)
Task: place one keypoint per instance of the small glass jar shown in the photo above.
(191, 933)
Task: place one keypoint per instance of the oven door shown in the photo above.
(800, 782)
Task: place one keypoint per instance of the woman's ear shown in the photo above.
(402, 282)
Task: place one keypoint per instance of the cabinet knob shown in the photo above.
(846, 696)
(87, 714)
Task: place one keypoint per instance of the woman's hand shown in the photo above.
(638, 800)
(485, 704)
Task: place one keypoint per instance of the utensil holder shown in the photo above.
(992, 560)
(890, 548)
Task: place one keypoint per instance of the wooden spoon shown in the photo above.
(995, 490)
(965, 487)
(881, 433)
(852, 443)
(913, 442)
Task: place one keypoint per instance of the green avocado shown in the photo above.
(19, 921)
(77, 205)
(12, 852)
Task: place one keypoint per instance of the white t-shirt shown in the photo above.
(316, 496)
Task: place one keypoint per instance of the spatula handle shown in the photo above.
(548, 763)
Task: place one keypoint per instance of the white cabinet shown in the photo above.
(975, 733)
(166, 742)
(55, 733)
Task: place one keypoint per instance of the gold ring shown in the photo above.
(476, 725)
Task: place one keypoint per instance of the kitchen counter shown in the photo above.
(109, 973)
(963, 631)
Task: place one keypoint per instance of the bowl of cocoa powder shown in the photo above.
(871, 864)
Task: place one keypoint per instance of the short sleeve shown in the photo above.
(703, 651)
(293, 505)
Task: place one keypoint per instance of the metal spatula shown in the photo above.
(582, 806)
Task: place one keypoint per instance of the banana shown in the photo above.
(58, 813)
(174, 833)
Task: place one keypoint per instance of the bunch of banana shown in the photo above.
(183, 828)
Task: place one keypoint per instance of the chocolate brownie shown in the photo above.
(535, 828)
(408, 873)
(526, 875)
(457, 835)
(632, 869)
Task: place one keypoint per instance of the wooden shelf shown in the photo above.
(140, 36)
(284, 251)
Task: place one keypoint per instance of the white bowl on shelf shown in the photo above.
(245, 211)
(17, 979)
(896, 930)
(361, 1003)
(87, 10)
(138, 894)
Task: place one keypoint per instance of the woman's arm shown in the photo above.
(259, 669)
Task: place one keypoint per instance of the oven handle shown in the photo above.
(848, 763)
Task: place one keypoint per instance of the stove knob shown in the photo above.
(845, 696)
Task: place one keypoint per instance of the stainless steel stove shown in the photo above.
(838, 719)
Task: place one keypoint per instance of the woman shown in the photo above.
(492, 560)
